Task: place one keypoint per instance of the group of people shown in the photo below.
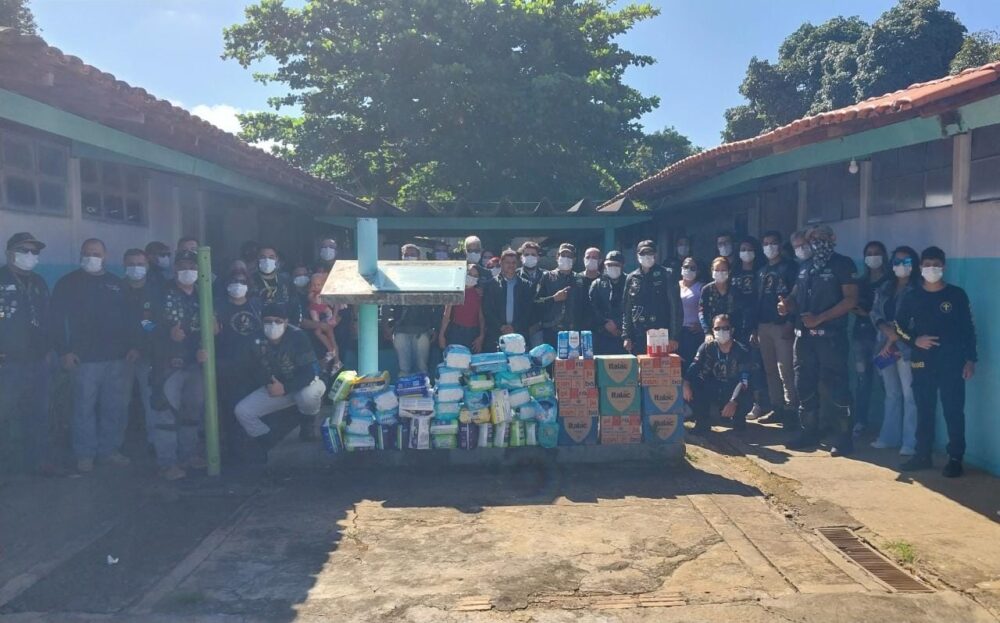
(761, 328)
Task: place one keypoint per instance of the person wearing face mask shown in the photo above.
(441, 251)
(411, 328)
(876, 273)
(271, 286)
(301, 276)
(530, 253)
(824, 294)
(24, 349)
(464, 324)
(682, 251)
(775, 334)
(651, 301)
(178, 390)
(721, 379)
(559, 298)
(591, 272)
(508, 301)
(473, 250)
(142, 300)
(800, 246)
(161, 263)
(899, 422)
(743, 280)
(935, 321)
(691, 335)
(92, 337)
(719, 297)
(606, 296)
(327, 254)
(286, 373)
(724, 244)
(492, 269)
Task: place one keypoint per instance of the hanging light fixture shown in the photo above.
(853, 167)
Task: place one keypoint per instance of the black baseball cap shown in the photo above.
(21, 238)
(645, 245)
(567, 247)
(614, 256)
(274, 310)
(186, 256)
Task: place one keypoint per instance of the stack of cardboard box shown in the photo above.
(662, 398)
(620, 399)
(574, 379)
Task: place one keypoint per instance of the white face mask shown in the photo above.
(613, 272)
(723, 336)
(803, 253)
(187, 277)
(470, 281)
(135, 273)
(725, 250)
(565, 263)
(902, 270)
(274, 330)
(26, 261)
(720, 276)
(529, 261)
(473, 257)
(688, 275)
(328, 254)
(590, 264)
(163, 262)
(410, 258)
(932, 274)
(873, 261)
(495, 272)
(647, 261)
(237, 290)
(92, 264)
(747, 256)
(267, 265)
(301, 281)
(771, 251)
(683, 250)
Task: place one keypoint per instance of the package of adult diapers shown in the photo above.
(370, 383)
(359, 425)
(529, 411)
(339, 413)
(484, 438)
(444, 442)
(389, 437)
(457, 356)
(449, 376)
(531, 433)
(390, 416)
(360, 402)
(476, 400)
(443, 427)
(385, 400)
(420, 433)
(548, 434)
(519, 363)
(359, 442)
(517, 434)
(468, 435)
(512, 344)
(543, 355)
(534, 376)
(449, 393)
(416, 406)
(500, 409)
(479, 416)
(550, 410)
(501, 435)
(413, 385)
(508, 380)
(489, 362)
(543, 390)
(518, 397)
(332, 440)
(447, 410)
(479, 382)
(341, 386)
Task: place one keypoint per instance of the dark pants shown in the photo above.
(864, 370)
(927, 383)
(551, 337)
(607, 344)
(457, 334)
(687, 345)
(822, 360)
(24, 406)
(711, 396)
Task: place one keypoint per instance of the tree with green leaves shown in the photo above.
(652, 153)
(978, 48)
(845, 60)
(17, 14)
(440, 99)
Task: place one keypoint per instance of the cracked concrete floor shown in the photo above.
(634, 542)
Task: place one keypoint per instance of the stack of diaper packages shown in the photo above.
(365, 414)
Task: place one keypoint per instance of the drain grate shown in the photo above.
(873, 562)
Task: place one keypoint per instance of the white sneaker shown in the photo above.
(907, 451)
(880, 445)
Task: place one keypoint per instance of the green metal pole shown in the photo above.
(207, 318)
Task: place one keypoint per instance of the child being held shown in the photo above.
(327, 318)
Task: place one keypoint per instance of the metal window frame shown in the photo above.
(35, 175)
(101, 189)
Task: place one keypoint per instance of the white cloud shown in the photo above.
(223, 116)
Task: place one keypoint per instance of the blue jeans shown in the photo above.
(139, 372)
(176, 430)
(24, 396)
(413, 351)
(899, 425)
(864, 370)
(100, 408)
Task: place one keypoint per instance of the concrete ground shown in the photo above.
(729, 534)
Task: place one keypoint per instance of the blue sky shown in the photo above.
(172, 49)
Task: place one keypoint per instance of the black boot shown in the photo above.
(844, 446)
(264, 444)
(804, 440)
(307, 428)
(953, 469)
(916, 463)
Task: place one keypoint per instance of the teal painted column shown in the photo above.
(609, 239)
(367, 244)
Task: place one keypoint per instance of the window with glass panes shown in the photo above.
(113, 192)
(984, 175)
(912, 178)
(33, 174)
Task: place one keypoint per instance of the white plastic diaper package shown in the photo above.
(512, 344)
(457, 356)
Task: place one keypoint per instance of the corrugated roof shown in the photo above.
(922, 99)
(36, 70)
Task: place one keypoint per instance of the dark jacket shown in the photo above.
(817, 290)
(412, 319)
(143, 305)
(239, 325)
(88, 317)
(495, 306)
(177, 309)
(713, 302)
(774, 281)
(292, 360)
(566, 315)
(652, 300)
(24, 308)
(721, 372)
(277, 289)
(945, 314)
(606, 298)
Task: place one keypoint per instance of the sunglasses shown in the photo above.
(902, 262)
(30, 250)
(721, 328)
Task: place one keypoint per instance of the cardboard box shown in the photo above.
(578, 431)
(579, 395)
(582, 369)
(662, 399)
(660, 370)
(620, 400)
(617, 370)
(573, 384)
(620, 429)
(666, 428)
(578, 410)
